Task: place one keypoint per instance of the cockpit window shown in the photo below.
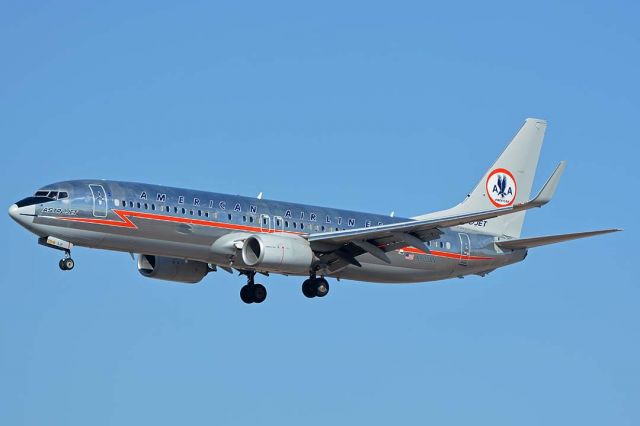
(53, 195)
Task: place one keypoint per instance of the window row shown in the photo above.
(440, 244)
(278, 223)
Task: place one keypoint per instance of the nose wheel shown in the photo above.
(66, 264)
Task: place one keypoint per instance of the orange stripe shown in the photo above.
(125, 222)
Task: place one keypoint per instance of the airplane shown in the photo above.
(181, 235)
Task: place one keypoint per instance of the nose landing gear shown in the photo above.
(67, 263)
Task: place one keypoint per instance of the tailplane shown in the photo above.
(527, 243)
(507, 182)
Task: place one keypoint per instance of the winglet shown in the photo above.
(549, 189)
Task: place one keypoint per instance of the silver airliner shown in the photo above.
(182, 235)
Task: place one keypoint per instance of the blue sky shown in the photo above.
(370, 106)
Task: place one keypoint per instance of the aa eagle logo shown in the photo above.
(501, 188)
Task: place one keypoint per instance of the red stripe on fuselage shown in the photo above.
(125, 222)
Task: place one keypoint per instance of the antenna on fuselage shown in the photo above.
(392, 214)
(260, 196)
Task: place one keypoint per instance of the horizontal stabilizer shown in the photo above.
(525, 243)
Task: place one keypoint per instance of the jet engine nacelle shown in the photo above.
(171, 269)
(278, 253)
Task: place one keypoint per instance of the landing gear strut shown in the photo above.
(67, 263)
(252, 292)
(315, 287)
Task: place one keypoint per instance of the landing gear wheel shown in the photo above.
(322, 287)
(259, 293)
(308, 288)
(246, 294)
(69, 264)
(66, 264)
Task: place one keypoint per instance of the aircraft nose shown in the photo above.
(13, 211)
(22, 215)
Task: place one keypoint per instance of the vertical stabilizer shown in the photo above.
(508, 181)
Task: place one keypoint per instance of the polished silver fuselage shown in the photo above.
(196, 225)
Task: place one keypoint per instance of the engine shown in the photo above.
(171, 269)
(278, 253)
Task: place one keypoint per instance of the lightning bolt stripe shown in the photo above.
(125, 222)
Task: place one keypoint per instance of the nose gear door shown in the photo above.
(99, 200)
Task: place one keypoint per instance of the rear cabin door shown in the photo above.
(99, 200)
(465, 249)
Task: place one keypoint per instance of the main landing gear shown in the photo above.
(252, 292)
(67, 263)
(315, 287)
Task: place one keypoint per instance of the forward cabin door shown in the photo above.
(465, 249)
(99, 200)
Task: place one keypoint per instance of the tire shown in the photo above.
(308, 288)
(259, 293)
(68, 264)
(321, 287)
(61, 265)
(246, 294)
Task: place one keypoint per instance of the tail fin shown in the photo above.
(508, 181)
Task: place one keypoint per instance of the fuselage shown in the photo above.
(190, 224)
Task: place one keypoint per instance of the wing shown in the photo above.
(336, 249)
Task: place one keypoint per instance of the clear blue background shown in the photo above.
(369, 106)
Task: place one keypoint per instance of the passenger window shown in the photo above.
(286, 223)
(153, 206)
(322, 229)
(295, 225)
(199, 212)
(175, 210)
(250, 219)
(184, 210)
(302, 226)
(191, 212)
(206, 214)
(124, 203)
(448, 245)
(244, 218)
(146, 206)
(131, 204)
(138, 204)
(167, 208)
(229, 216)
(116, 202)
(264, 220)
(441, 244)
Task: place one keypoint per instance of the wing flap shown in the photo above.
(526, 243)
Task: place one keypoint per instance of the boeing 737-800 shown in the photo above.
(181, 235)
